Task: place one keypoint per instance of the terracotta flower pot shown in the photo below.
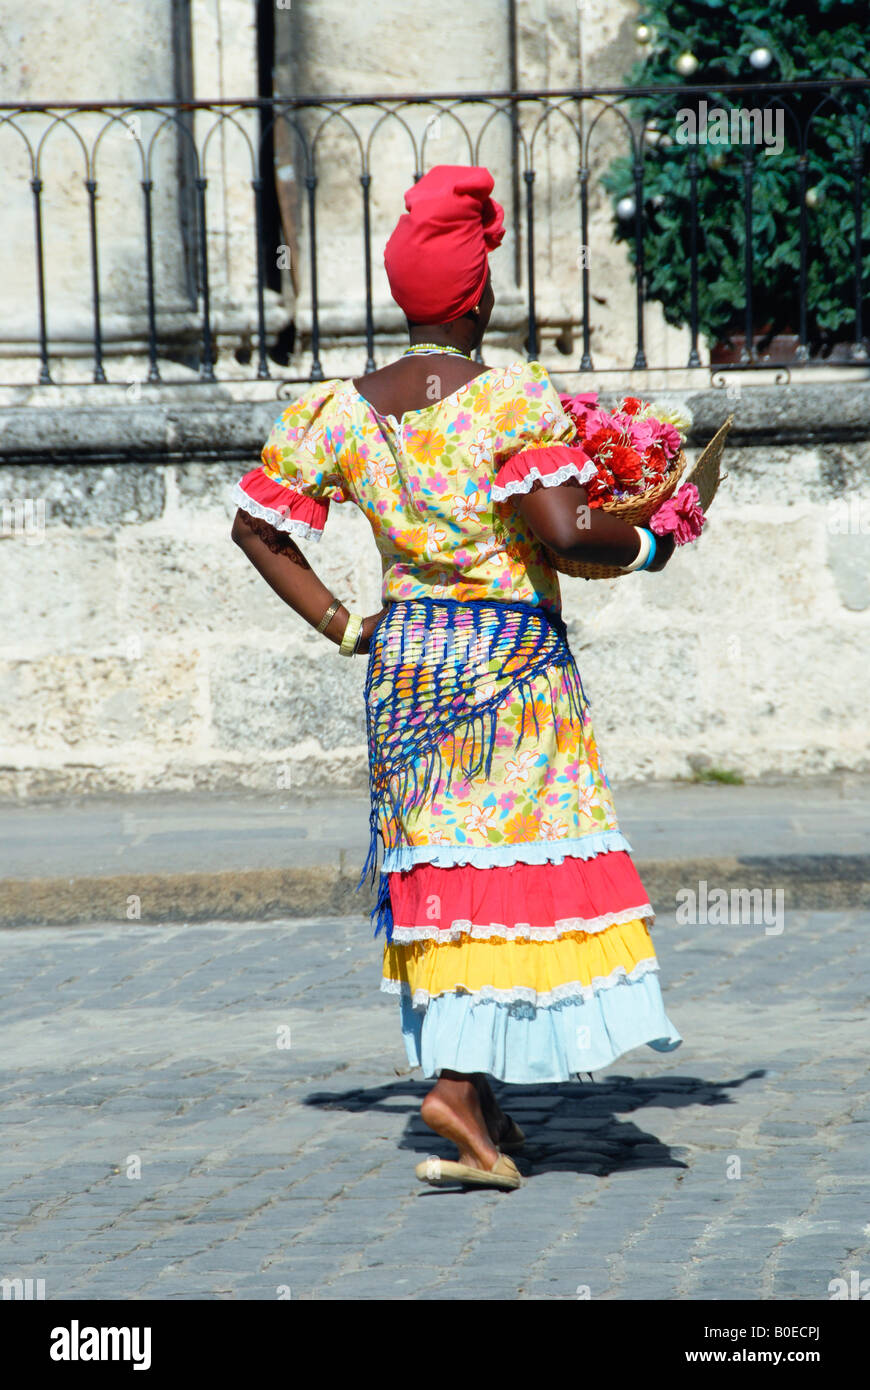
(781, 348)
(767, 347)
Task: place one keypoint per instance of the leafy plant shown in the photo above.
(819, 39)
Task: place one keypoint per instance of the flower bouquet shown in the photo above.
(637, 450)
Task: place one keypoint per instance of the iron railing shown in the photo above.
(173, 143)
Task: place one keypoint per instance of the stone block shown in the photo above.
(91, 705)
(264, 702)
(848, 560)
(60, 595)
(105, 497)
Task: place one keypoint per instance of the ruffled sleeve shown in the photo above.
(539, 446)
(299, 474)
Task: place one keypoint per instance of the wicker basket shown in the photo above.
(638, 510)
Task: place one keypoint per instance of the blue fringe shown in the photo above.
(405, 761)
(382, 912)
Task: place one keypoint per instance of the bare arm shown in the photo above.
(285, 569)
(561, 518)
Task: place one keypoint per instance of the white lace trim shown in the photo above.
(403, 857)
(522, 931)
(524, 993)
(279, 520)
(500, 492)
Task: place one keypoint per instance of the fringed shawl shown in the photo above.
(440, 668)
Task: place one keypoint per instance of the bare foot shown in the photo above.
(452, 1109)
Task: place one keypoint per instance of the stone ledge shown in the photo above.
(837, 412)
(234, 432)
(139, 433)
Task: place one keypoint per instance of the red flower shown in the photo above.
(631, 405)
(600, 486)
(602, 439)
(657, 460)
(626, 463)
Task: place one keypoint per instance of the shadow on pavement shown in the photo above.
(571, 1126)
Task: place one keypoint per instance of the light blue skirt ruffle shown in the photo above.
(517, 1042)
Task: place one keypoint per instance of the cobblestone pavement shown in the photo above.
(162, 1140)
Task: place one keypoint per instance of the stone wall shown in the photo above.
(141, 650)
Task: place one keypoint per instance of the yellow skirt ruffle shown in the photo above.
(538, 971)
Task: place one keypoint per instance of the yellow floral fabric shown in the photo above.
(424, 482)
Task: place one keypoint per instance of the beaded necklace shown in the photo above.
(431, 349)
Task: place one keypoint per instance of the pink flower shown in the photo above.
(585, 400)
(597, 420)
(669, 438)
(681, 514)
(642, 433)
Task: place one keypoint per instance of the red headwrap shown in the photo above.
(438, 257)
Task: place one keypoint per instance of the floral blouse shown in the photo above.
(435, 485)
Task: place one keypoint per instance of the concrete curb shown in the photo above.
(812, 882)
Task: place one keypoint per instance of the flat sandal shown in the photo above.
(439, 1172)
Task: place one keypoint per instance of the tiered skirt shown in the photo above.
(520, 943)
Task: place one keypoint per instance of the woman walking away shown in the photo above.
(516, 926)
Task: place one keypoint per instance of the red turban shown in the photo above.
(437, 259)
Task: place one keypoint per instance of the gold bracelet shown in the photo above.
(329, 615)
(350, 634)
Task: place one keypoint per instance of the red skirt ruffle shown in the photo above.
(532, 900)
